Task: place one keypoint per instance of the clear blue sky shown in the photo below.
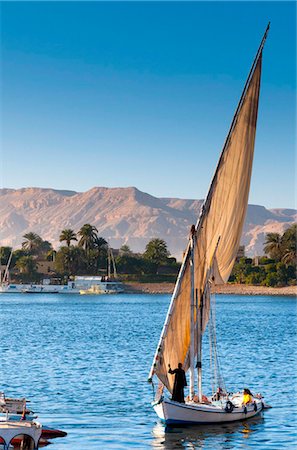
(142, 94)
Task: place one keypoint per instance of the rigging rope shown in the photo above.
(215, 367)
(210, 360)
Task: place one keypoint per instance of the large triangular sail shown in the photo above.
(217, 232)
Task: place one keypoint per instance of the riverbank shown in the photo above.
(245, 289)
(231, 289)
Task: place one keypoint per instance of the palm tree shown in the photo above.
(67, 235)
(4, 255)
(32, 242)
(51, 255)
(100, 243)
(273, 245)
(125, 250)
(101, 248)
(290, 255)
(156, 251)
(27, 265)
(70, 260)
(88, 237)
(45, 247)
(36, 246)
(289, 241)
(77, 260)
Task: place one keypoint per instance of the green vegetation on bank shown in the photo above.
(37, 259)
(86, 253)
(278, 269)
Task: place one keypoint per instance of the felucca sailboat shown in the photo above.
(208, 261)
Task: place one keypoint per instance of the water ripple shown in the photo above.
(84, 362)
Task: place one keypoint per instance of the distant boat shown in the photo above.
(105, 287)
(15, 288)
(82, 284)
(208, 260)
(102, 285)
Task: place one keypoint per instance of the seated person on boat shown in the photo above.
(247, 397)
(195, 399)
(219, 394)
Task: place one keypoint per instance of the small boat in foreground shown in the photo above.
(208, 261)
(15, 411)
(24, 434)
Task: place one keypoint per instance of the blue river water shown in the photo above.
(83, 361)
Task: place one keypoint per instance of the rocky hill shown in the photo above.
(122, 216)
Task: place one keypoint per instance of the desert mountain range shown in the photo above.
(122, 216)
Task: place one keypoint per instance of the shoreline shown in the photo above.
(230, 289)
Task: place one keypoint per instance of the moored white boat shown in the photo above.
(98, 285)
(105, 288)
(80, 285)
(15, 288)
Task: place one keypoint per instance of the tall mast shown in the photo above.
(199, 302)
(114, 265)
(108, 263)
(6, 273)
(192, 312)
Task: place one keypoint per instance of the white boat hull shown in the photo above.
(172, 412)
(78, 287)
(37, 289)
